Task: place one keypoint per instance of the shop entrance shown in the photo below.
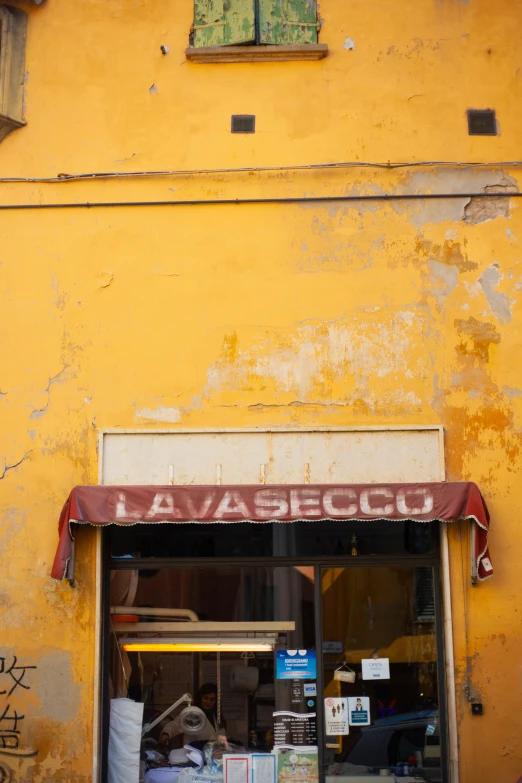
(321, 641)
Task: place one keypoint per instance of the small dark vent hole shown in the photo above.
(243, 123)
(482, 122)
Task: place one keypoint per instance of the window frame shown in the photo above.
(13, 36)
(256, 51)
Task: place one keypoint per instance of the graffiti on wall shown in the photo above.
(13, 680)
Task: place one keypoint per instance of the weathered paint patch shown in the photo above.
(477, 337)
(450, 253)
(336, 363)
(288, 21)
(218, 23)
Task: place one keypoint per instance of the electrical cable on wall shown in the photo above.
(260, 169)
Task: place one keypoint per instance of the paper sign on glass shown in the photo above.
(299, 765)
(375, 668)
(336, 716)
(236, 768)
(296, 664)
(264, 768)
(359, 710)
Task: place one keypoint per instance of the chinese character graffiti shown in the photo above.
(13, 677)
(17, 674)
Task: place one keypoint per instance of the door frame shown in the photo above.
(449, 693)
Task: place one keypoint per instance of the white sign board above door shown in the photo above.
(317, 456)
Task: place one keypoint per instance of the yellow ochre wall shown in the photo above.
(319, 313)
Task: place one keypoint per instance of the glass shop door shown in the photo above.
(380, 675)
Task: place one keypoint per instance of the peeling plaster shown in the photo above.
(111, 278)
(348, 43)
(328, 363)
(171, 415)
(480, 209)
(499, 303)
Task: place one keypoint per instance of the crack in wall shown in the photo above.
(6, 468)
(38, 412)
(106, 285)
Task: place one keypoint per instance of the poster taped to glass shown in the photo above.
(336, 717)
(300, 765)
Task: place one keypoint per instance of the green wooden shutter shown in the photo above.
(223, 22)
(288, 21)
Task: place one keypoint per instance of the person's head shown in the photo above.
(207, 698)
(359, 701)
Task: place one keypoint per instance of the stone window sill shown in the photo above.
(256, 54)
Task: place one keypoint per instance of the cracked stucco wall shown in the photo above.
(357, 313)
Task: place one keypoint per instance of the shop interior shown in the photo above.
(196, 644)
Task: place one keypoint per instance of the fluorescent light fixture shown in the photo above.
(259, 644)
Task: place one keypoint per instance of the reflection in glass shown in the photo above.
(207, 604)
(384, 613)
(264, 539)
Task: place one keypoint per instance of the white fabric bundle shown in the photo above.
(124, 741)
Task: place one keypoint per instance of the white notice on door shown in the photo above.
(236, 768)
(359, 710)
(336, 717)
(375, 668)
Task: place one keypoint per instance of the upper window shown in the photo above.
(260, 23)
(13, 26)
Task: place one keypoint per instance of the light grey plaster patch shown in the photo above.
(445, 278)
(59, 695)
(437, 210)
(348, 43)
(499, 303)
(511, 391)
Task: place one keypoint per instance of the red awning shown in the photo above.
(121, 505)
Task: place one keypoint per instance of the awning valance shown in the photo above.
(130, 505)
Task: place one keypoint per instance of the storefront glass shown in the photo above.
(393, 716)
(271, 628)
